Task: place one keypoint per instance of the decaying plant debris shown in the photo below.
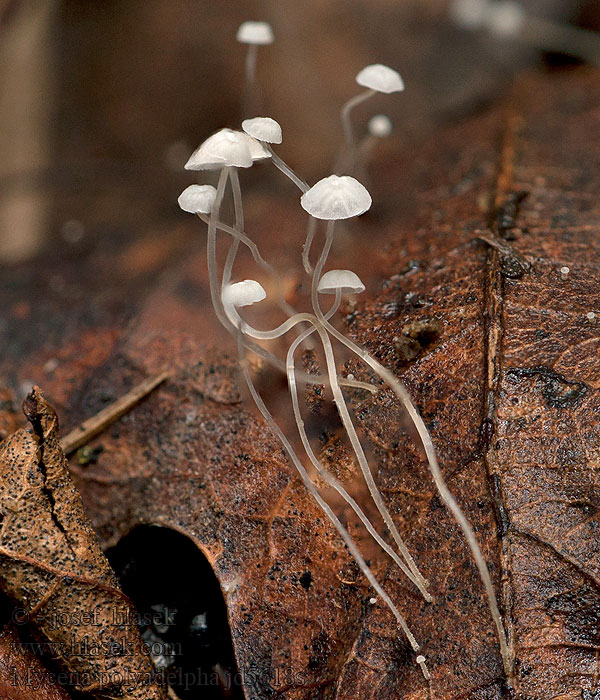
(55, 573)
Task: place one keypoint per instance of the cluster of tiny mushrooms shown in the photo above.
(334, 198)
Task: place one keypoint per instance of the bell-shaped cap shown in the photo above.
(336, 197)
(380, 126)
(225, 148)
(380, 78)
(197, 199)
(256, 148)
(263, 129)
(346, 281)
(259, 33)
(243, 293)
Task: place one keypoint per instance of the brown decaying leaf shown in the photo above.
(52, 567)
(504, 370)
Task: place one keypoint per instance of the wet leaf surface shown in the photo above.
(503, 366)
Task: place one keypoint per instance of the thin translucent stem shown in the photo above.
(243, 238)
(211, 255)
(310, 487)
(311, 229)
(285, 169)
(328, 478)
(211, 252)
(347, 153)
(239, 226)
(344, 414)
(440, 484)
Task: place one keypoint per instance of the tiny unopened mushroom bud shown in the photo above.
(225, 148)
(336, 197)
(344, 281)
(263, 129)
(380, 78)
(258, 33)
(243, 293)
(380, 126)
(197, 199)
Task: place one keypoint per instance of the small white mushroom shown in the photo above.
(254, 34)
(380, 126)
(263, 129)
(257, 33)
(243, 293)
(197, 199)
(469, 14)
(267, 131)
(225, 148)
(336, 197)
(256, 148)
(344, 281)
(376, 78)
(380, 78)
(505, 18)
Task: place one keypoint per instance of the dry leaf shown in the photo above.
(54, 571)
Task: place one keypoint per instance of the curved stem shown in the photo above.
(328, 478)
(239, 226)
(311, 229)
(346, 156)
(285, 168)
(348, 541)
(243, 238)
(397, 387)
(340, 402)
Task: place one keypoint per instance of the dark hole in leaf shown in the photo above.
(182, 614)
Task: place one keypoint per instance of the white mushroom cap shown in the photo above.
(469, 14)
(380, 126)
(263, 129)
(345, 280)
(243, 293)
(256, 148)
(225, 148)
(505, 18)
(197, 199)
(336, 197)
(259, 33)
(380, 78)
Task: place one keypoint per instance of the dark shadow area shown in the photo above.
(182, 614)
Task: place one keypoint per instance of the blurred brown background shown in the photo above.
(102, 102)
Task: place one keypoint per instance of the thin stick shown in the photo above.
(88, 429)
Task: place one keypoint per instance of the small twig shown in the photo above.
(513, 259)
(88, 429)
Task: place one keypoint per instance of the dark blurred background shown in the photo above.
(102, 101)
